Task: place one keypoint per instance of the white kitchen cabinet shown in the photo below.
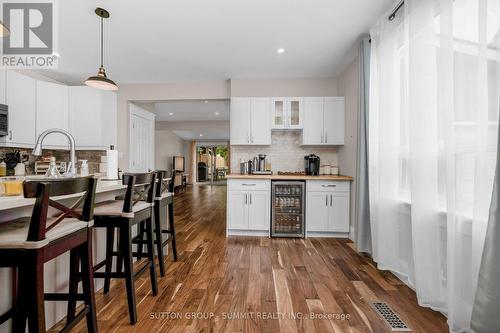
(249, 121)
(286, 112)
(248, 207)
(327, 207)
(52, 112)
(92, 117)
(3, 86)
(21, 99)
(258, 210)
(334, 114)
(237, 210)
(338, 220)
(323, 121)
(313, 120)
(317, 211)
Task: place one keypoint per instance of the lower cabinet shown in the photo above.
(327, 208)
(248, 207)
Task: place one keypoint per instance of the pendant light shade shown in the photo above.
(101, 81)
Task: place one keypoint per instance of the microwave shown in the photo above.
(4, 120)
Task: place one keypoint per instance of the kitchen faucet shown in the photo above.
(37, 151)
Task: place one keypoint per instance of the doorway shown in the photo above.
(141, 146)
(212, 164)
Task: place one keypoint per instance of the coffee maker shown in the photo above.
(311, 164)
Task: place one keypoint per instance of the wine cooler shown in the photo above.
(287, 213)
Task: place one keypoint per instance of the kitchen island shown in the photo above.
(57, 270)
(325, 204)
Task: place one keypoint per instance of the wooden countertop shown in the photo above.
(294, 177)
(10, 202)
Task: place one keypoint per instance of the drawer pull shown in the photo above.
(331, 185)
(248, 184)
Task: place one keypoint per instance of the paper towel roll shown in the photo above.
(111, 164)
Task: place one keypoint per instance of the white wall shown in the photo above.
(284, 87)
(348, 86)
(167, 145)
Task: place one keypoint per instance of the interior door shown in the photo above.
(258, 210)
(237, 206)
(260, 122)
(317, 211)
(334, 120)
(313, 121)
(142, 144)
(339, 212)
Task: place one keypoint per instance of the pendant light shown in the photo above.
(4, 31)
(101, 81)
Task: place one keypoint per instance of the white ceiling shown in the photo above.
(192, 110)
(206, 135)
(152, 41)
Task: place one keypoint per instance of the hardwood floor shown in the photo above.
(242, 284)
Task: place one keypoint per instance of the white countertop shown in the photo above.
(10, 202)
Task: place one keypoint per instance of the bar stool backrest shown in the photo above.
(44, 190)
(140, 187)
(162, 185)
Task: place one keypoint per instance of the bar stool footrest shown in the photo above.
(6, 316)
(75, 321)
(63, 297)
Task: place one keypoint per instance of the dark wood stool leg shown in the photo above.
(172, 228)
(74, 263)
(157, 230)
(126, 253)
(36, 306)
(20, 312)
(88, 283)
(151, 255)
(141, 234)
(110, 239)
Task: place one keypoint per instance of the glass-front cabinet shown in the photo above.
(287, 113)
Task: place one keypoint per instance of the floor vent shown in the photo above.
(390, 317)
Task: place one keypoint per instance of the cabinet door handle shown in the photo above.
(321, 137)
(331, 199)
(10, 134)
(326, 137)
(326, 200)
(246, 199)
(250, 198)
(248, 137)
(251, 138)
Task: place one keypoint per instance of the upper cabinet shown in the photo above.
(250, 121)
(20, 96)
(52, 112)
(287, 112)
(92, 115)
(323, 121)
(34, 105)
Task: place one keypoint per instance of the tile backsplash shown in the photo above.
(92, 156)
(285, 153)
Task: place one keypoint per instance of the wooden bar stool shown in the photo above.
(29, 242)
(135, 209)
(164, 201)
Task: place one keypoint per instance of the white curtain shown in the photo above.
(434, 104)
